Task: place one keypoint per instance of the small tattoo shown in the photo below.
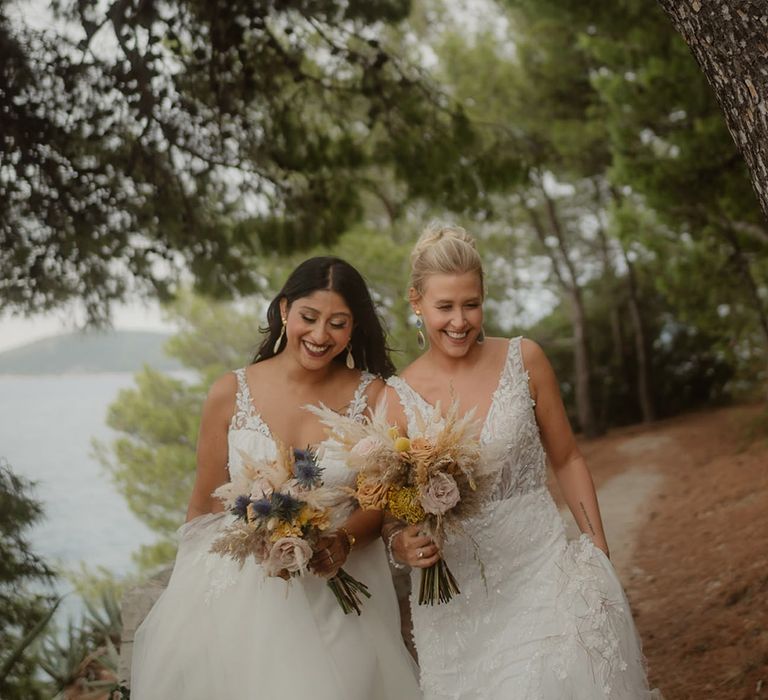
(589, 522)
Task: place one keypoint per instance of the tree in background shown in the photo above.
(140, 140)
(580, 93)
(727, 39)
(25, 607)
(671, 149)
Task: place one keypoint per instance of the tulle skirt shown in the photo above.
(219, 631)
(538, 618)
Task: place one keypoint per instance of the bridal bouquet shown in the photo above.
(282, 510)
(438, 477)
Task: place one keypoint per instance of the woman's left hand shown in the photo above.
(330, 555)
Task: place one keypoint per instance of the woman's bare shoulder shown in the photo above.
(221, 398)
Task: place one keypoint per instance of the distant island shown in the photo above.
(89, 352)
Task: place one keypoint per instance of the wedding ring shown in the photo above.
(421, 554)
(330, 556)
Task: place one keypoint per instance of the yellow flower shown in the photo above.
(393, 432)
(304, 516)
(319, 519)
(404, 504)
(285, 530)
(402, 444)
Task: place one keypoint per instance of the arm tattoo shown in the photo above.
(589, 522)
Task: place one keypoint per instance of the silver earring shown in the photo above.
(420, 339)
(350, 359)
(481, 336)
(279, 340)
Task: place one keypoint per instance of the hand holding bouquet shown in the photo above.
(283, 513)
(437, 477)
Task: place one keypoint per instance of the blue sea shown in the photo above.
(47, 423)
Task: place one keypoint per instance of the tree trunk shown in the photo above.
(570, 288)
(582, 369)
(742, 264)
(644, 393)
(729, 40)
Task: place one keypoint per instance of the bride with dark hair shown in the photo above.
(219, 631)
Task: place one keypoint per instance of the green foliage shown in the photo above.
(83, 657)
(614, 123)
(201, 139)
(153, 463)
(24, 613)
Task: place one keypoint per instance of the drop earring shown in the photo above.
(350, 361)
(279, 340)
(420, 338)
(481, 336)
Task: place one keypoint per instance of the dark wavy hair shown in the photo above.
(369, 344)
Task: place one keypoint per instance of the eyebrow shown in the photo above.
(450, 301)
(316, 311)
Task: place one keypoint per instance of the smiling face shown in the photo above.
(318, 328)
(451, 306)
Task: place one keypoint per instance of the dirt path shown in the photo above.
(624, 506)
(685, 507)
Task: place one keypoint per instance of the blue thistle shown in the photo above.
(262, 508)
(285, 506)
(307, 471)
(240, 508)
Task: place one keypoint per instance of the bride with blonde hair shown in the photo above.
(547, 619)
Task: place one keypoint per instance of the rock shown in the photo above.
(136, 604)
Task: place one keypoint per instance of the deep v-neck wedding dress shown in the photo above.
(549, 620)
(221, 632)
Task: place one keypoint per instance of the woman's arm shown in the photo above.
(212, 448)
(359, 529)
(557, 437)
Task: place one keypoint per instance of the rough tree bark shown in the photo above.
(729, 40)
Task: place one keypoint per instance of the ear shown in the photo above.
(283, 308)
(414, 299)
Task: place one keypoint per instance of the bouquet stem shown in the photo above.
(348, 590)
(437, 584)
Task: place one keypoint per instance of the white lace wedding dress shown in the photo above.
(550, 621)
(220, 632)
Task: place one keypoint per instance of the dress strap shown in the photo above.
(245, 415)
(409, 399)
(243, 401)
(520, 377)
(359, 401)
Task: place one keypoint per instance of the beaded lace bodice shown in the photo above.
(250, 434)
(510, 420)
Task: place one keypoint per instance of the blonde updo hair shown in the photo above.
(444, 248)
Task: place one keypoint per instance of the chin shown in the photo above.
(310, 363)
(455, 350)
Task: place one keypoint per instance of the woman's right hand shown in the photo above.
(410, 546)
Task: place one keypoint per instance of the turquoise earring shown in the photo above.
(420, 338)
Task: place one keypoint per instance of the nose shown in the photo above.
(457, 319)
(319, 334)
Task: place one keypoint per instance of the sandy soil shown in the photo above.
(685, 505)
